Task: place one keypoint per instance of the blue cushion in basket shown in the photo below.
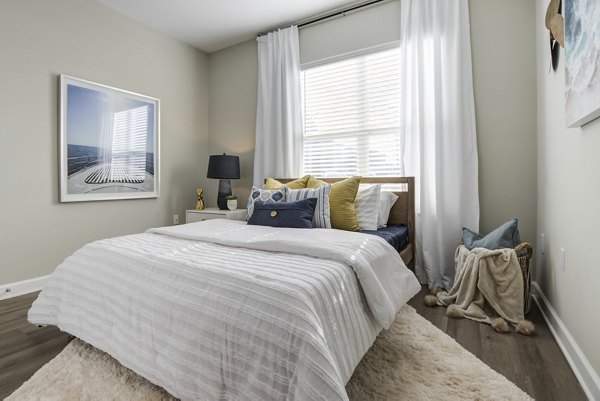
(505, 236)
(298, 214)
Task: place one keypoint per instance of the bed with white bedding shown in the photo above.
(220, 310)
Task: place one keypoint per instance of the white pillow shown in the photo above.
(367, 207)
(386, 201)
(322, 216)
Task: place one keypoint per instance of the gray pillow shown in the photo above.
(505, 236)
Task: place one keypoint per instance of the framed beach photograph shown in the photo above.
(109, 142)
(582, 66)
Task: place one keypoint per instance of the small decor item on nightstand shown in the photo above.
(225, 168)
(231, 202)
(200, 199)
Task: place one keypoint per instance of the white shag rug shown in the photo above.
(413, 360)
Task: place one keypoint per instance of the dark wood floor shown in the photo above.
(24, 348)
(535, 363)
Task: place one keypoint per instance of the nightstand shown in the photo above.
(192, 216)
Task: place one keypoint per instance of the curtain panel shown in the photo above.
(279, 125)
(438, 135)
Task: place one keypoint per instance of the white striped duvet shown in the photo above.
(213, 322)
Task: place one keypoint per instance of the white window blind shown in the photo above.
(351, 116)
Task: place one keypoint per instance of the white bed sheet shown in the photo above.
(209, 321)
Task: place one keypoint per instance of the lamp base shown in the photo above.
(224, 190)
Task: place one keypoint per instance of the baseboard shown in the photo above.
(585, 373)
(18, 288)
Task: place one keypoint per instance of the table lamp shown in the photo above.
(224, 168)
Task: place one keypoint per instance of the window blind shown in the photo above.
(351, 116)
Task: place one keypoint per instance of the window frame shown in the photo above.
(337, 58)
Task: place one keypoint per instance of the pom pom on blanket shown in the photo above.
(500, 325)
(525, 327)
(435, 290)
(430, 300)
(455, 312)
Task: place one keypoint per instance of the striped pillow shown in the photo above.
(321, 218)
(367, 207)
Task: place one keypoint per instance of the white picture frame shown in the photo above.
(109, 142)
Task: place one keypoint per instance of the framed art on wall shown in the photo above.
(582, 68)
(109, 142)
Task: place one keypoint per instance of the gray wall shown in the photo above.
(568, 172)
(40, 39)
(232, 112)
(362, 29)
(504, 84)
(503, 51)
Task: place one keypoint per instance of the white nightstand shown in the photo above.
(192, 216)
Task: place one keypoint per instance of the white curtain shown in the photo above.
(278, 151)
(438, 132)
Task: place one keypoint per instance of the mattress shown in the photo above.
(395, 235)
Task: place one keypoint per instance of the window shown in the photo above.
(351, 116)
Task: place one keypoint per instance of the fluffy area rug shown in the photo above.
(413, 360)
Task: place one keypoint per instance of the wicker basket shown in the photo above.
(525, 262)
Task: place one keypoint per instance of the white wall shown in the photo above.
(40, 39)
(504, 84)
(568, 172)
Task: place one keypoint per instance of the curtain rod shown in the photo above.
(341, 12)
(333, 14)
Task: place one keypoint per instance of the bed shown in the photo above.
(402, 213)
(394, 234)
(221, 310)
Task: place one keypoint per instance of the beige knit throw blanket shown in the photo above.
(488, 284)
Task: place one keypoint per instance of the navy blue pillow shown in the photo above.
(298, 214)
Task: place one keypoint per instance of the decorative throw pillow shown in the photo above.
(367, 207)
(299, 183)
(265, 195)
(298, 214)
(321, 218)
(341, 202)
(505, 236)
(386, 201)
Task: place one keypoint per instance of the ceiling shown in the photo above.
(211, 25)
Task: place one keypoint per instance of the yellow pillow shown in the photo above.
(314, 182)
(341, 202)
(300, 183)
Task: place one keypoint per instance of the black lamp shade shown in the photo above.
(224, 167)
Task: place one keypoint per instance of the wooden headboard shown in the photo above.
(403, 211)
